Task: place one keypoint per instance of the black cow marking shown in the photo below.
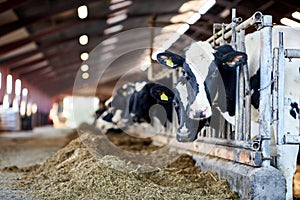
(294, 110)
(142, 101)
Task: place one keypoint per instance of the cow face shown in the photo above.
(120, 102)
(192, 100)
(191, 89)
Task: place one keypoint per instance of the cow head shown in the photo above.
(119, 103)
(144, 98)
(192, 100)
(191, 88)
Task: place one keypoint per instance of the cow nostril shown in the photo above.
(198, 113)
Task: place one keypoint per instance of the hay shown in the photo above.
(73, 173)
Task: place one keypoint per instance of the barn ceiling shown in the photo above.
(39, 38)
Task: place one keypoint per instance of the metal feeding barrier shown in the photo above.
(237, 139)
(234, 142)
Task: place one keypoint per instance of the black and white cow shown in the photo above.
(150, 101)
(116, 115)
(196, 89)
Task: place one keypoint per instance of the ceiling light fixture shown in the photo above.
(120, 5)
(296, 15)
(84, 67)
(113, 29)
(183, 28)
(83, 39)
(194, 18)
(24, 92)
(201, 6)
(117, 18)
(289, 22)
(206, 6)
(18, 87)
(9, 84)
(225, 13)
(84, 56)
(82, 11)
(110, 41)
(34, 108)
(85, 75)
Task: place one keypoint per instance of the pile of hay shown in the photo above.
(73, 173)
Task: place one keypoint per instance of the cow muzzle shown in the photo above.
(200, 113)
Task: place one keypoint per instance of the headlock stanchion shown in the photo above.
(253, 166)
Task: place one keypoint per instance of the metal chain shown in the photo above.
(271, 82)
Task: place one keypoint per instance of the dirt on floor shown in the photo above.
(74, 172)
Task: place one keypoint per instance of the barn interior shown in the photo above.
(58, 58)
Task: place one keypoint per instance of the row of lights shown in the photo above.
(119, 14)
(190, 13)
(119, 9)
(290, 22)
(82, 12)
(19, 103)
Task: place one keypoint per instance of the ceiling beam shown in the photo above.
(11, 46)
(45, 47)
(40, 71)
(7, 5)
(45, 14)
(30, 65)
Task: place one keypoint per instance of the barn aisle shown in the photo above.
(27, 148)
(49, 163)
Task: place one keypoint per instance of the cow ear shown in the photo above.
(162, 94)
(170, 60)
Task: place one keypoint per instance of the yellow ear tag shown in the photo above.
(169, 62)
(164, 97)
(123, 94)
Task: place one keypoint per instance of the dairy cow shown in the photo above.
(198, 87)
(151, 101)
(115, 117)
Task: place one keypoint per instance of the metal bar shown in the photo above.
(233, 28)
(292, 53)
(247, 92)
(275, 93)
(226, 28)
(244, 156)
(281, 66)
(256, 18)
(240, 86)
(291, 139)
(265, 94)
(253, 145)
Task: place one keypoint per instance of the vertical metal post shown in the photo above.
(265, 92)
(240, 93)
(281, 64)
(275, 93)
(234, 46)
(247, 94)
(174, 114)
